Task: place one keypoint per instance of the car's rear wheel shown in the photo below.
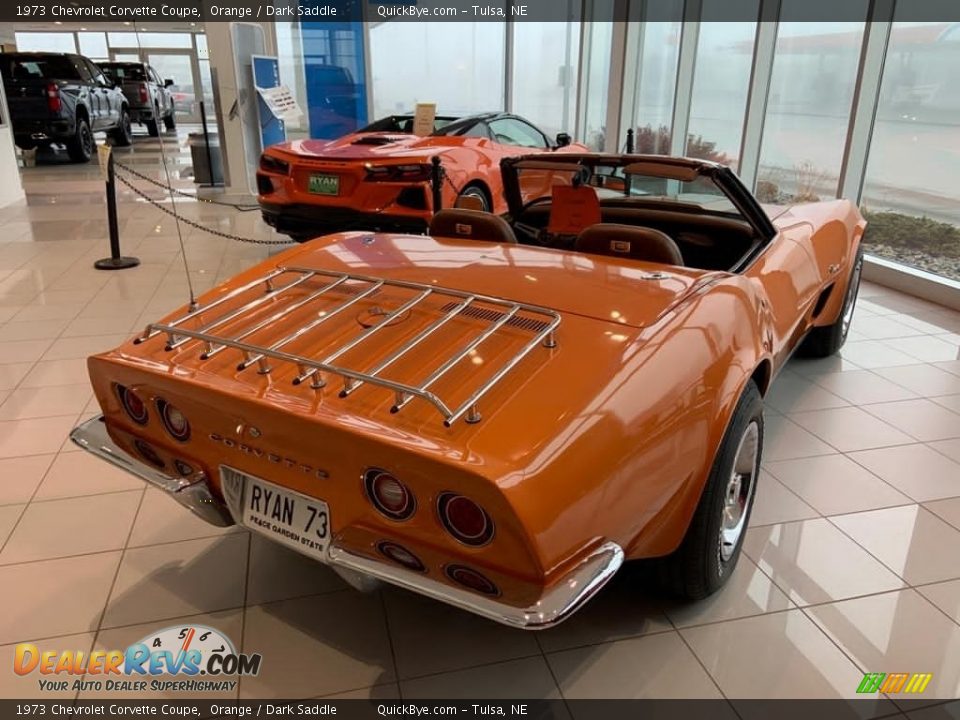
(170, 121)
(81, 146)
(475, 191)
(122, 136)
(709, 552)
(827, 340)
(153, 129)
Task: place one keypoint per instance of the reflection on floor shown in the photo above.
(852, 562)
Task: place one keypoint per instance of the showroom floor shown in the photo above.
(852, 562)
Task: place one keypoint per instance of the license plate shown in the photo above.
(289, 518)
(324, 184)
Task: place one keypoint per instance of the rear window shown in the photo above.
(39, 67)
(125, 71)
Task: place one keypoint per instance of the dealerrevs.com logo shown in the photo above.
(191, 658)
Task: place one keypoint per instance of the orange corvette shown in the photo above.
(500, 414)
(381, 177)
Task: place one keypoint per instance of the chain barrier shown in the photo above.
(191, 223)
(192, 196)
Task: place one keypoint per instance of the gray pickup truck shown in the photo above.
(148, 97)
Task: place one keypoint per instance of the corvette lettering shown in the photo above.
(269, 456)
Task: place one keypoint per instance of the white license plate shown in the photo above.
(289, 518)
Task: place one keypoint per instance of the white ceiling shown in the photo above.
(115, 26)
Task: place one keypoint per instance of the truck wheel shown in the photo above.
(825, 341)
(152, 128)
(709, 552)
(122, 135)
(82, 145)
(170, 121)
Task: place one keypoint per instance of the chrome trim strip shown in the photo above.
(193, 492)
(556, 605)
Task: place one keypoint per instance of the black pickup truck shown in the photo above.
(63, 98)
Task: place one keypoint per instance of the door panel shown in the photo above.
(791, 282)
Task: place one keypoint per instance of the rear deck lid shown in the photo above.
(628, 293)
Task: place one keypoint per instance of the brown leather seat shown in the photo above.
(471, 224)
(637, 243)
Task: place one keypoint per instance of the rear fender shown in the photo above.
(734, 349)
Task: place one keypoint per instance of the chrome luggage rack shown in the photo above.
(540, 322)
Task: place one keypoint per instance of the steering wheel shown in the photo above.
(532, 232)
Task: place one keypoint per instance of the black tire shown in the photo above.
(122, 135)
(153, 130)
(82, 146)
(708, 554)
(170, 121)
(825, 341)
(477, 192)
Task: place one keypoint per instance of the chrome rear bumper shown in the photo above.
(558, 602)
(191, 492)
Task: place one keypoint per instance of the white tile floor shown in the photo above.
(852, 561)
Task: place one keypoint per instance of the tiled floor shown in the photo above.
(852, 561)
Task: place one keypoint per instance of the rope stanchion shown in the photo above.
(186, 221)
(116, 261)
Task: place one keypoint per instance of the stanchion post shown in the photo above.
(629, 141)
(115, 261)
(206, 144)
(436, 182)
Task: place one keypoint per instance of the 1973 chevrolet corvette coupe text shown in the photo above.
(498, 414)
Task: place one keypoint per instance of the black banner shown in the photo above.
(877, 707)
(147, 11)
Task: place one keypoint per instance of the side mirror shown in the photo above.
(563, 139)
(168, 82)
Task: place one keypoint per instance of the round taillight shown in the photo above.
(401, 556)
(471, 579)
(388, 495)
(148, 453)
(464, 519)
(174, 421)
(132, 404)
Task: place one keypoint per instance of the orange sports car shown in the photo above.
(382, 178)
(499, 414)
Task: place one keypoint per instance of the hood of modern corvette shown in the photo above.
(627, 293)
(371, 146)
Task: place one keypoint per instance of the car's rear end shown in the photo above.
(377, 181)
(41, 97)
(133, 81)
(421, 425)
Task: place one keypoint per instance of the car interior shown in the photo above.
(575, 218)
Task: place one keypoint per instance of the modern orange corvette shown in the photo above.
(498, 415)
(380, 177)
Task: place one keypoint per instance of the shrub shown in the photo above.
(656, 141)
(915, 233)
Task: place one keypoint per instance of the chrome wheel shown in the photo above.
(739, 492)
(479, 194)
(851, 300)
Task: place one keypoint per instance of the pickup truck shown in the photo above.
(62, 98)
(148, 97)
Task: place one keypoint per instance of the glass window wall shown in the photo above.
(911, 194)
(809, 107)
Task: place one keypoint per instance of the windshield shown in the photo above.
(37, 67)
(612, 183)
(125, 71)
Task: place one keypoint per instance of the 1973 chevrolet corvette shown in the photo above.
(499, 414)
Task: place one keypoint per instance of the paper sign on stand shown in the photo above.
(423, 119)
